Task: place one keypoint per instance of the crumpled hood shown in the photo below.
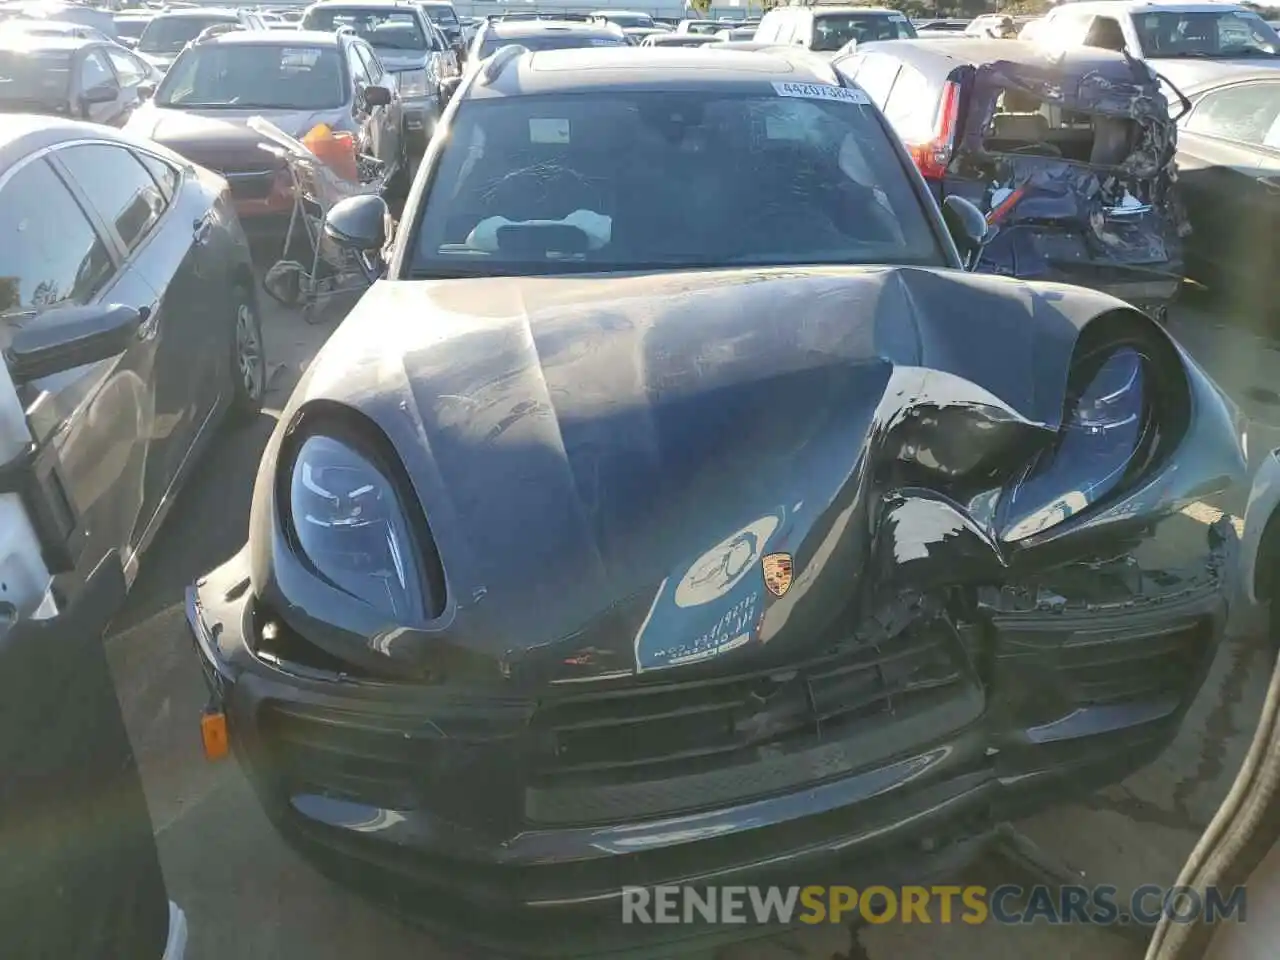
(604, 462)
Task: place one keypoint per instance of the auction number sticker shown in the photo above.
(820, 91)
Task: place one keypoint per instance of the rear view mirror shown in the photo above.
(102, 93)
(968, 228)
(67, 337)
(146, 90)
(376, 96)
(358, 223)
(448, 88)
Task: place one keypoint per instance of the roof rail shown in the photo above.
(498, 61)
(217, 30)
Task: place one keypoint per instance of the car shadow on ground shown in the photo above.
(214, 510)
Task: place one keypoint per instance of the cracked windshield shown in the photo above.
(697, 480)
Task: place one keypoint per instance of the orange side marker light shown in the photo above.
(213, 734)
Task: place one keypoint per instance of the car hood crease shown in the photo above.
(582, 444)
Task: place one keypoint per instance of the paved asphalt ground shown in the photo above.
(247, 897)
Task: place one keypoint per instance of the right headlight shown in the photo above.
(1102, 433)
(351, 527)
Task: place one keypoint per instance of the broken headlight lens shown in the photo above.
(1100, 436)
(351, 527)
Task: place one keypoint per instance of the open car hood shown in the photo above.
(605, 462)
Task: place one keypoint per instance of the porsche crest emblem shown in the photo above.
(777, 572)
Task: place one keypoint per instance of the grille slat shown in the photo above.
(655, 733)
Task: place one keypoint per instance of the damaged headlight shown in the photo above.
(350, 526)
(1101, 434)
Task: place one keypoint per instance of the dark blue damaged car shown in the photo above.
(678, 508)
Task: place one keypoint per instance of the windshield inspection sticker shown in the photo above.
(548, 130)
(820, 91)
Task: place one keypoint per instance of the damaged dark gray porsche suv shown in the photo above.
(678, 509)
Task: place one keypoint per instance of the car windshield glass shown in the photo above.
(130, 28)
(657, 180)
(1231, 33)
(833, 31)
(384, 29)
(254, 76)
(550, 41)
(35, 76)
(444, 16)
(171, 34)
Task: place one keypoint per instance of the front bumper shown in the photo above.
(419, 116)
(517, 853)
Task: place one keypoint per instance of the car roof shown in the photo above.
(367, 4)
(637, 68)
(1154, 6)
(512, 29)
(1211, 75)
(201, 12)
(23, 134)
(276, 38)
(979, 50)
(16, 39)
(824, 9)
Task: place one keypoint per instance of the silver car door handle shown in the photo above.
(150, 323)
(201, 227)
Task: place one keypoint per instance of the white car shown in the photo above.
(1166, 33)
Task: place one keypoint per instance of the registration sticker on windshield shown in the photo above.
(548, 130)
(820, 91)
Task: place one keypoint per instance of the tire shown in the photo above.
(248, 363)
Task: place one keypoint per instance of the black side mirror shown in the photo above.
(146, 90)
(376, 96)
(968, 228)
(102, 93)
(358, 223)
(66, 337)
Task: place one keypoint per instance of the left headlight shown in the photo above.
(351, 527)
(413, 83)
(1101, 435)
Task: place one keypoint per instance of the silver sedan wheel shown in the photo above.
(249, 352)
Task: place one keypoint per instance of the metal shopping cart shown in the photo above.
(316, 188)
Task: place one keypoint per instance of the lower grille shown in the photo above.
(1104, 667)
(663, 748)
(334, 753)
